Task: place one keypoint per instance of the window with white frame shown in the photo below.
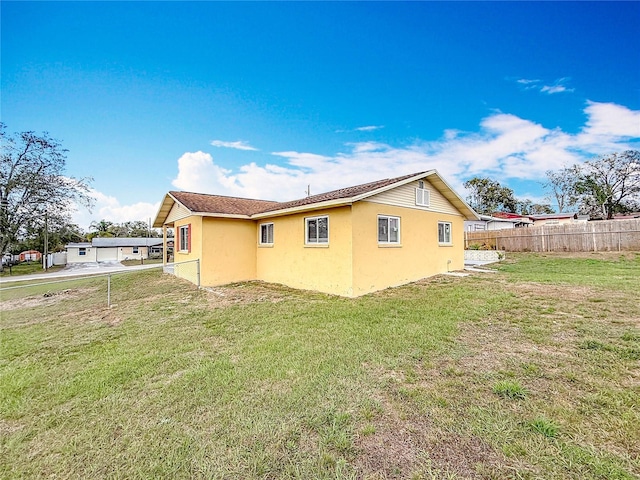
(185, 238)
(422, 195)
(82, 251)
(316, 230)
(444, 232)
(134, 250)
(388, 230)
(266, 234)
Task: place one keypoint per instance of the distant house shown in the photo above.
(505, 220)
(626, 216)
(30, 256)
(113, 249)
(557, 218)
(347, 242)
(488, 222)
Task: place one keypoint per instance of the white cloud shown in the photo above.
(551, 89)
(504, 146)
(237, 145)
(526, 81)
(559, 86)
(107, 207)
(369, 128)
(609, 119)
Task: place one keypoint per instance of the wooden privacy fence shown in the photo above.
(605, 235)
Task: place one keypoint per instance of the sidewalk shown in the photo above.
(78, 272)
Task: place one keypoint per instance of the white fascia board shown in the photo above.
(221, 215)
(474, 215)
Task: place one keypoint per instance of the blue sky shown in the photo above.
(261, 99)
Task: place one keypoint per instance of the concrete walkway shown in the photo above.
(78, 271)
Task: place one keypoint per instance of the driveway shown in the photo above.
(79, 270)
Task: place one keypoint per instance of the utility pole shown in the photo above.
(46, 243)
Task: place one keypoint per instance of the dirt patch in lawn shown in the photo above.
(407, 444)
(45, 299)
(248, 293)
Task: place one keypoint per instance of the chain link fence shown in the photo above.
(110, 285)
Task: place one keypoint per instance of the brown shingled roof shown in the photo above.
(204, 203)
(348, 192)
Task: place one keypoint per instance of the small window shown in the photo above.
(388, 229)
(82, 251)
(317, 230)
(185, 238)
(444, 232)
(422, 195)
(134, 250)
(266, 234)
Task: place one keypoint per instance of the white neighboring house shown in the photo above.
(110, 249)
(487, 222)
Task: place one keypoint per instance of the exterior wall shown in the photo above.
(188, 271)
(74, 257)
(405, 196)
(325, 268)
(228, 251)
(126, 253)
(419, 255)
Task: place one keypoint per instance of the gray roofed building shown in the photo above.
(125, 242)
(113, 249)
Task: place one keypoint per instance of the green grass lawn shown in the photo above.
(27, 268)
(530, 372)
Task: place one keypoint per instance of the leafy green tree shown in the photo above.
(136, 228)
(488, 196)
(33, 185)
(57, 237)
(540, 209)
(100, 228)
(527, 207)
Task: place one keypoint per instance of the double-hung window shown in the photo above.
(388, 230)
(316, 230)
(266, 234)
(422, 195)
(82, 251)
(444, 233)
(135, 250)
(185, 238)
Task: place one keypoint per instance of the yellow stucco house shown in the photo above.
(346, 242)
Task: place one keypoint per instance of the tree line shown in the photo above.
(600, 188)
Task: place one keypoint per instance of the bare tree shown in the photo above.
(561, 186)
(33, 185)
(609, 184)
